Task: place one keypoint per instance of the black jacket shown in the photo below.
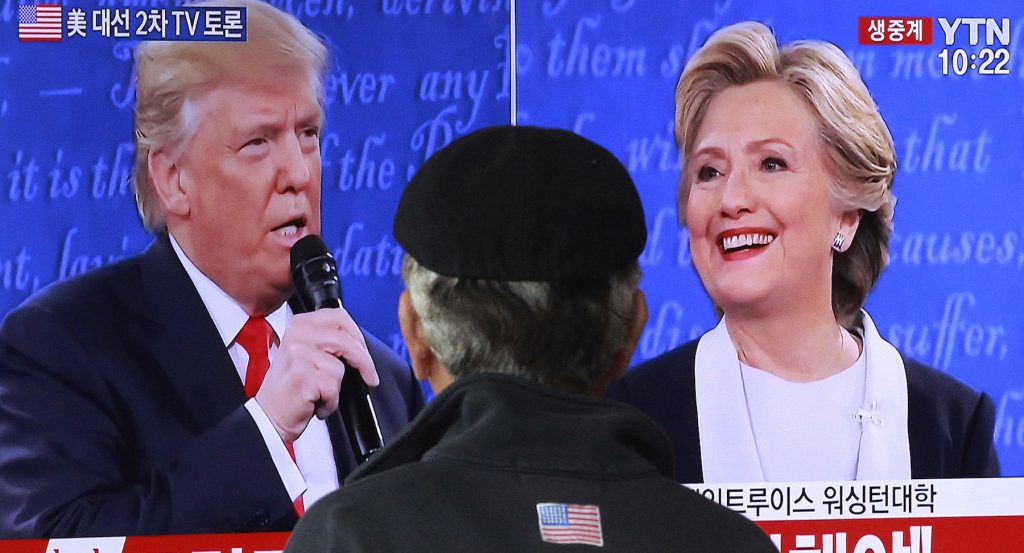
(469, 472)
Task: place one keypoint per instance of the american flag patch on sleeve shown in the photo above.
(568, 523)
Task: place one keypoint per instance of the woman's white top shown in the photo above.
(730, 451)
(789, 448)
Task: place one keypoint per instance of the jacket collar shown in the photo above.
(183, 337)
(508, 422)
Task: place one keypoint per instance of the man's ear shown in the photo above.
(633, 338)
(412, 331)
(621, 360)
(425, 364)
(166, 178)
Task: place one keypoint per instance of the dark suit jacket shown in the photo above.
(121, 412)
(950, 426)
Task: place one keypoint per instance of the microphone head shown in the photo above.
(315, 274)
(308, 247)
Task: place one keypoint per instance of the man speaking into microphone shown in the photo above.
(176, 391)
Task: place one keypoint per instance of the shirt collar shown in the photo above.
(228, 316)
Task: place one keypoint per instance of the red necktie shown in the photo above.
(255, 337)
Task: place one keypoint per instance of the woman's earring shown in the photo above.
(837, 244)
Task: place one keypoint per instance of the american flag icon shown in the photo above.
(568, 523)
(40, 22)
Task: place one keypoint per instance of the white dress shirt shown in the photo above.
(314, 473)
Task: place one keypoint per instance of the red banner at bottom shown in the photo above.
(986, 534)
(201, 543)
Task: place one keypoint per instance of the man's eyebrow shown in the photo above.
(257, 128)
(252, 123)
(313, 117)
(269, 125)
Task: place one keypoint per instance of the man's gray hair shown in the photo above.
(171, 75)
(563, 334)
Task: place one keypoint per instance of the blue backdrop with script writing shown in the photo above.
(409, 76)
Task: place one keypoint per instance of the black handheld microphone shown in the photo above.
(316, 282)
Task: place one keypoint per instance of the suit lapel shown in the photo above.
(184, 339)
(344, 458)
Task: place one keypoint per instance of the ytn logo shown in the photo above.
(993, 29)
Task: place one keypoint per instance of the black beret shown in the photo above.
(522, 203)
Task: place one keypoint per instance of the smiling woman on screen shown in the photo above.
(786, 191)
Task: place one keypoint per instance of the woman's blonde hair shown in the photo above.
(857, 141)
(278, 50)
